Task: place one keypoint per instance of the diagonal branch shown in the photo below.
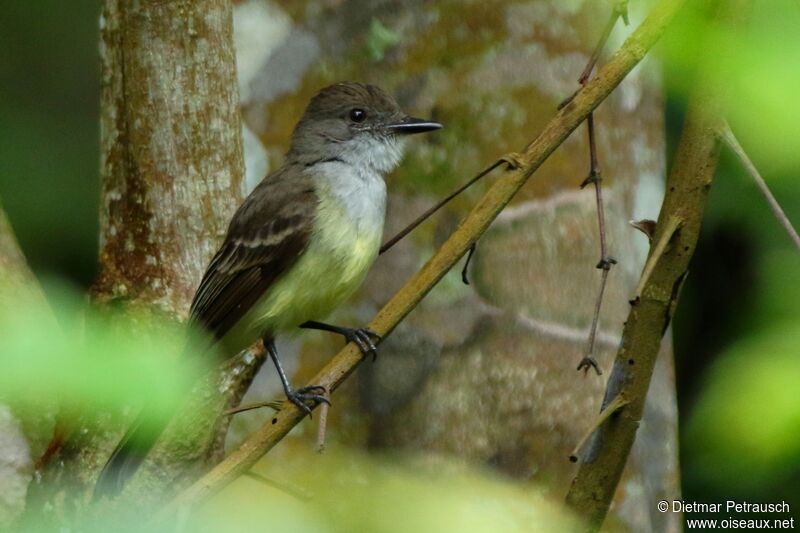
(496, 198)
(729, 138)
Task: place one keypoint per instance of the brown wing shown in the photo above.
(265, 237)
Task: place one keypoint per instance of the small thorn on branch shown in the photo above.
(672, 225)
(646, 226)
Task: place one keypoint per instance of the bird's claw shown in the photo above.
(301, 397)
(362, 337)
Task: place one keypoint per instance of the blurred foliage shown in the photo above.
(748, 419)
(763, 109)
(380, 38)
(49, 152)
(338, 491)
(737, 331)
(83, 358)
(342, 491)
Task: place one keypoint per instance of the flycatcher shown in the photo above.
(299, 245)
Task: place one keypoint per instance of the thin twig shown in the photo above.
(298, 493)
(620, 10)
(730, 139)
(588, 361)
(448, 254)
(424, 216)
(322, 426)
(598, 49)
(272, 404)
(596, 179)
(605, 263)
(616, 404)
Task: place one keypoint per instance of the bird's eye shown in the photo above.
(358, 115)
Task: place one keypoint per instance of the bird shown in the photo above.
(298, 246)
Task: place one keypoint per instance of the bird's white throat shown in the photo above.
(379, 154)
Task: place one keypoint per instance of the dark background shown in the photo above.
(737, 336)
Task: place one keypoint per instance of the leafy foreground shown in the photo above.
(66, 354)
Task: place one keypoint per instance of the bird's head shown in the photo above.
(356, 123)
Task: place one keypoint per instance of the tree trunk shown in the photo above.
(26, 421)
(173, 172)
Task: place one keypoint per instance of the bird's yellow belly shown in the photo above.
(333, 266)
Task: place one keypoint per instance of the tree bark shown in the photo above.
(14, 272)
(172, 169)
(26, 423)
(172, 162)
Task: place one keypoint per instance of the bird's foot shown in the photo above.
(311, 394)
(362, 337)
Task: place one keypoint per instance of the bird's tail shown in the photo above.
(129, 454)
(148, 426)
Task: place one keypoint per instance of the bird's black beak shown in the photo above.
(413, 125)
